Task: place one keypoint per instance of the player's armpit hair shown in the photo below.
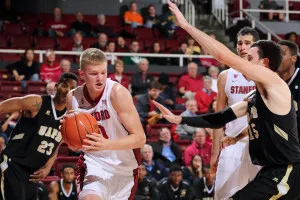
(37, 105)
(214, 120)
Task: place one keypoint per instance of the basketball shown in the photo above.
(74, 128)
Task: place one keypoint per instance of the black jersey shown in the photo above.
(294, 84)
(62, 194)
(273, 138)
(34, 140)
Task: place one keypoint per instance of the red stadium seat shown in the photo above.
(152, 131)
(89, 41)
(113, 21)
(180, 100)
(61, 160)
(48, 179)
(44, 43)
(11, 87)
(183, 144)
(143, 33)
(34, 87)
(64, 42)
(10, 57)
(4, 74)
(63, 150)
(13, 29)
(3, 42)
(21, 42)
(172, 45)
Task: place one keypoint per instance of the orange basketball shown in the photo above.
(75, 126)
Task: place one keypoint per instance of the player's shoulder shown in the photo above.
(118, 90)
(54, 185)
(223, 76)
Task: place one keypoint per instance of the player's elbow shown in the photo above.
(141, 141)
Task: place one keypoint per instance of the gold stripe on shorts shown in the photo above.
(283, 186)
(2, 177)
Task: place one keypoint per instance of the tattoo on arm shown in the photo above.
(37, 105)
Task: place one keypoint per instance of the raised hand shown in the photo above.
(179, 16)
(167, 114)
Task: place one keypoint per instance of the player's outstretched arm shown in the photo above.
(123, 105)
(218, 133)
(30, 103)
(213, 120)
(53, 190)
(223, 54)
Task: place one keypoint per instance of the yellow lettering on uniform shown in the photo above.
(58, 137)
(54, 133)
(42, 130)
(49, 131)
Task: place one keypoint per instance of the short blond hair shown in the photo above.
(92, 56)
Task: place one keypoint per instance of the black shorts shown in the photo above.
(15, 183)
(273, 182)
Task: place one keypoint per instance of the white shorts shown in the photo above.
(235, 170)
(115, 188)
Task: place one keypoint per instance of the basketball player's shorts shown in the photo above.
(116, 187)
(273, 182)
(235, 170)
(14, 181)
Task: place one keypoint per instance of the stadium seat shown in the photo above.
(63, 150)
(89, 41)
(64, 42)
(172, 45)
(44, 43)
(3, 42)
(11, 87)
(180, 100)
(113, 21)
(61, 160)
(183, 144)
(34, 87)
(48, 179)
(152, 131)
(4, 74)
(10, 57)
(21, 42)
(143, 33)
(13, 29)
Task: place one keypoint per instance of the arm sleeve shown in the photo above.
(214, 120)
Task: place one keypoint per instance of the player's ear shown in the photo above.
(294, 59)
(265, 62)
(80, 72)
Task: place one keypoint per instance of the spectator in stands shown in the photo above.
(118, 75)
(140, 81)
(168, 94)
(204, 188)
(9, 123)
(3, 141)
(147, 188)
(156, 60)
(199, 146)
(174, 187)
(26, 69)
(102, 27)
(190, 83)
(151, 19)
(50, 70)
(132, 17)
(81, 26)
(192, 48)
(64, 188)
(57, 26)
(292, 36)
(101, 42)
(212, 107)
(167, 22)
(134, 48)
(145, 107)
(51, 88)
(121, 45)
(205, 96)
(213, 72)
(8, 14)
(77, 44)
(65, 65)
(165, 150)
(110, 48)
(154, 169)
(271, 5)
(193, 170)
(184, 131)
(183, 50)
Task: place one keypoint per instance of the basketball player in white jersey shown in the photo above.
(110, 157)
(234, 169)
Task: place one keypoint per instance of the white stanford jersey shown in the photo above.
(109, 162)
(236, 88)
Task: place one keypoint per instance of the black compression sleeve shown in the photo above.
(213, 120)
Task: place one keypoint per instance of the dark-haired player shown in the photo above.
(274, 142)
(32, 147)
(65, 188)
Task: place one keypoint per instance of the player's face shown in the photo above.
(64, 88)
(209, 175)
(288, 60)
(147, 154)
(154, 93)
(243, 45)
(142, 172)
(68, 175)
(253, 57)
(175, 178)
(197, 162)
(95, 77)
